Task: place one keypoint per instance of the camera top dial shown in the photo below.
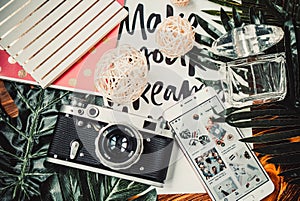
(119, 146)
(92, 111)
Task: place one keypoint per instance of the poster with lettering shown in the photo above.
(170, 79)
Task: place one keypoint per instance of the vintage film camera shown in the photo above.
(112, 142)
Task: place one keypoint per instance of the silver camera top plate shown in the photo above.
(107, 115)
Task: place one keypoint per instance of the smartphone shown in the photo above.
(228, 169)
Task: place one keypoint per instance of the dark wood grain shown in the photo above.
(184, 197)
(7, 102)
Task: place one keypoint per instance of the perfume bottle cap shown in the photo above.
(247, 40)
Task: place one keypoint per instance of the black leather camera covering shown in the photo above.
(154, 159)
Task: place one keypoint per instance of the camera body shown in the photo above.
(112, 142)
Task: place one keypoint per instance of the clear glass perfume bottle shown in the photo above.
(252, 77)
(255, 80)
(247, 40)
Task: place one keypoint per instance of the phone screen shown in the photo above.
(227, 167)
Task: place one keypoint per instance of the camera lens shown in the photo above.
(119, 146)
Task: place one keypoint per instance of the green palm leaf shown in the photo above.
(288, 159)
(226, 21)
(273, 136)
(24, 142)
(227, 3)
(283, 114)
(73, 184)
(292, 175)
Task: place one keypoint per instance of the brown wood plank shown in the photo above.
(7, 102)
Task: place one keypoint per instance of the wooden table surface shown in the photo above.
(283, 190)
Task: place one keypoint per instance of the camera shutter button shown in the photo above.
(93, 112)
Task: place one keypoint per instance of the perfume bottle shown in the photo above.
(247, 40)
(255, 80)
(252, 77)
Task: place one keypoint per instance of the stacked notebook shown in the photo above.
(47, 37)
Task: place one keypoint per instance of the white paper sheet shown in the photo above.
(168, 83)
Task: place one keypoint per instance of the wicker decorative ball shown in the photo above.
(175, 36)
(121, 74)
(180, 3)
